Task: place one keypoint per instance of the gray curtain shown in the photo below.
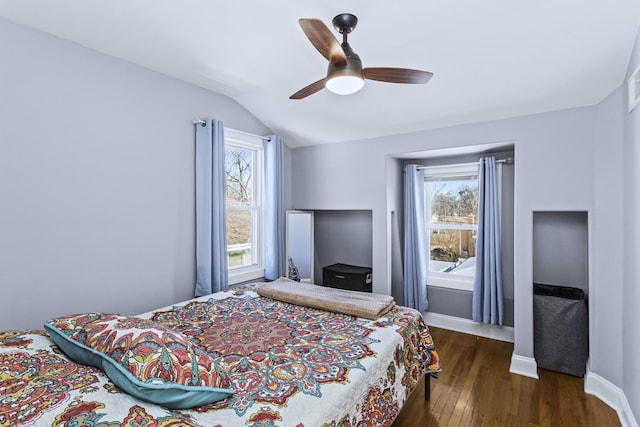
(415, 250)
(487, 305)
(211, 224)
(274, 208)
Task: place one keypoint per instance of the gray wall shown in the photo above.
(631, 291)
(96, 180)
(395, 227)
(606, 234)
(555, 169)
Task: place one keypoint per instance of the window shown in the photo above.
(451, 195)
(243, 169)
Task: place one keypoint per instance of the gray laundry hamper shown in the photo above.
(561, 329)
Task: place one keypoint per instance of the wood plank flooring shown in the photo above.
(476, 389)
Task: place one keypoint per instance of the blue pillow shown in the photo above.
(143, 358)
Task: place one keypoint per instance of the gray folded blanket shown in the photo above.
(355, 303)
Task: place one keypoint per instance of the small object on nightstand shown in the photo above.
(350, 277)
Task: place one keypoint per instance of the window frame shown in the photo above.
(432, 174)
(238, 139)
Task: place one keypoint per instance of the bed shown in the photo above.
(285, 364)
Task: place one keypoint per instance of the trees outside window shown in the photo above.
(451, 195)
(243, 170)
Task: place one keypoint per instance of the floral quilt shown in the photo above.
(289, 365)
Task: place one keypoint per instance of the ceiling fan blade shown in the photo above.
(397, 75)
(309, 90)
(323, 39)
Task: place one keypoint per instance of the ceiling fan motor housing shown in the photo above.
(353, 67)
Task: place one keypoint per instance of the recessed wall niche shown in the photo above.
(560, 249)
(560, 316)
(342, 236)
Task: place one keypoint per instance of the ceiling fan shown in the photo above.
(345, 74)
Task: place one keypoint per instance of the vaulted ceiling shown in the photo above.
(490, 59)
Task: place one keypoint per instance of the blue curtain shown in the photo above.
(274, 208)
(487, 305)
(415, 250)
(211, 224)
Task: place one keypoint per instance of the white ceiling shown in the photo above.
(490, 59)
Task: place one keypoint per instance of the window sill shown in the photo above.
(245, 274)
(450, 282)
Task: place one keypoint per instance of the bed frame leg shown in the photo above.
(427, 387)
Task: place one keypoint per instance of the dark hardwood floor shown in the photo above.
(475, 388)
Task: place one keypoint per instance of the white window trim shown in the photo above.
(239, 139)
(434, 278)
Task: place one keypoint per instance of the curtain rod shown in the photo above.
(508, 161)
(199, 121)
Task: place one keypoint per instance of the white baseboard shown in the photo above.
(458, 324)
(611, 395)
(525, 366)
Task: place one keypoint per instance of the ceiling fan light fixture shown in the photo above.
(345, 74)
(345, 84)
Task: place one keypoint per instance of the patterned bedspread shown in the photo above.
(290, 366)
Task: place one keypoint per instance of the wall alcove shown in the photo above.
(560, 248)
(342, 236)
(450, 307)
(319, 238)
(561, 260)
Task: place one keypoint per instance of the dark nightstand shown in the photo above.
(344, 276)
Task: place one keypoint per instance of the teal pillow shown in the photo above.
(143, 358)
